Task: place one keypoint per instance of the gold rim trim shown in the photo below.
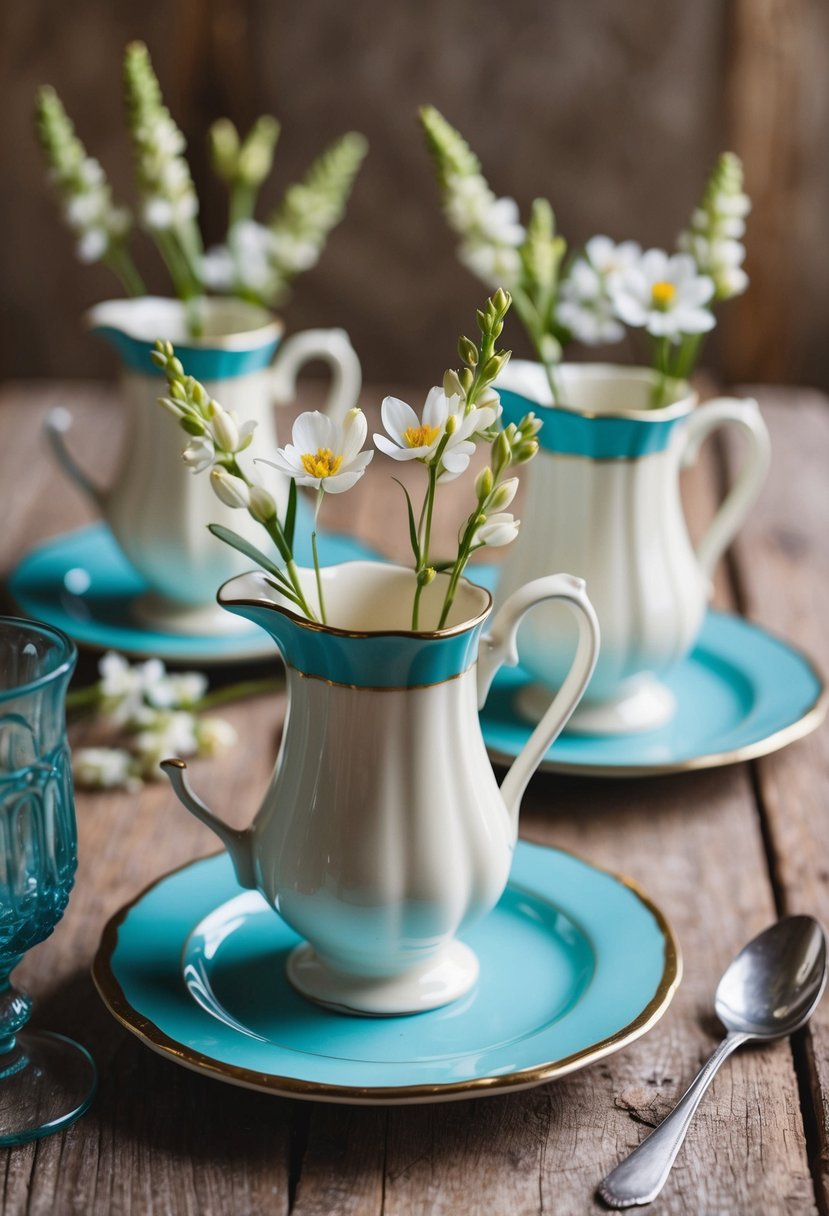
(809, 721)
(317, 627)
(113, 997)
(685, 405)
(307, 675)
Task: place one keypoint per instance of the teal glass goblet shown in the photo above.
(46, 1080)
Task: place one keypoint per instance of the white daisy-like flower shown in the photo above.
(499, 529)
(124, 687)
(172, 733)
(104, 768)
(411, 438)
(585, 306)
(178, 691)
(323, 453)
(663, 294)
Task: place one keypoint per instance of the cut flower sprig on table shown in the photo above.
(599, 292)
(141, 713)
(256, 261)
(330, 458)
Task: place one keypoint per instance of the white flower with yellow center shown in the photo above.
(323, 453)
(411, 438)
(664, 295)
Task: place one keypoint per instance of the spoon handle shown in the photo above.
(641, 1176)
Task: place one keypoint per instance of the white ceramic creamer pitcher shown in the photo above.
(384, 833)
(157, 508)
(603, 500)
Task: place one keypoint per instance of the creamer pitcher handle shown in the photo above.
(58, 423)
(499, 646)
(744, 413)
(236, 841)
(333, 347)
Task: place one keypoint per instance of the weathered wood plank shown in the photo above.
(160, 1138)
(783, 564)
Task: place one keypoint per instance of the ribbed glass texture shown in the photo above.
(38, 841)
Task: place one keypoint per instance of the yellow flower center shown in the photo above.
(322, 464)
(662, 294)
(420, 436)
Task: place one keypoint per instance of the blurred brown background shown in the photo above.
(615, 111)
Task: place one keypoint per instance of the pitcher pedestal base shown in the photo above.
(646, 705)
(444, 978)
(172, 616)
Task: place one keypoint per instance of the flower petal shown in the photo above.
(397, 417)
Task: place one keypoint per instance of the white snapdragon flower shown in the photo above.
(293, 254)
(124, 688)
(663, 294)
(713, 237)
(104, 768)
(325, 454)
(495, 265)
(224, 437)
(200, 453)
(90, 213)
(585, 306)
(491, 229)
(501, 528)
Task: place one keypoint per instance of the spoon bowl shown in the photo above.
(774, 983)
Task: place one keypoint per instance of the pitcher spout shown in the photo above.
(236, 841)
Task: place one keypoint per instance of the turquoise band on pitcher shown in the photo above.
(375, 661)
(604, 437)
(201, 362)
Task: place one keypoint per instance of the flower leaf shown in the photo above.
(250, 550)
(412, 525)
(290, 516)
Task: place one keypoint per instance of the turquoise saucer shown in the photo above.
(575, 963)
(81, 582)
(741, 693)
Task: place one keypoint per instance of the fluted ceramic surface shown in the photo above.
(384, 833)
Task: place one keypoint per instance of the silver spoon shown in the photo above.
(769, 991)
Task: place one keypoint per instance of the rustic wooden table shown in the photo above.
(723, 852)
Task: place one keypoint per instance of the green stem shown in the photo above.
(661, 358)
(120, 262)
(457, 571)
(175, 262)
(425, 531)
(533, 324)
(237, 692)
(242, 204)
(317, 575)
(688, 355)
(274, 530)
(83, 698)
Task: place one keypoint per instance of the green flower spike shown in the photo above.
(102, 229)
(169, 203)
